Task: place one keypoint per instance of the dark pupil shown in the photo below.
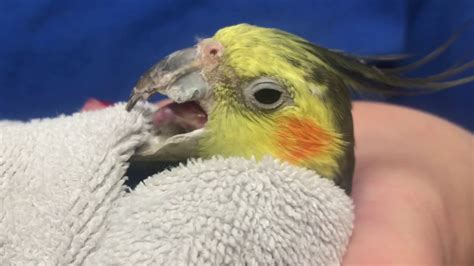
(267, 96)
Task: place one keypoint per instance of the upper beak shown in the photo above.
(178, 76)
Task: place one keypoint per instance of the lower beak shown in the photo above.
(177, 76)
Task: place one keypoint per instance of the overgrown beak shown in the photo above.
(178, 124)
(177, 76)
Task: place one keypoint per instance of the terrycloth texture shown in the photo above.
(230, 211)
(63, 202)
(58, 181)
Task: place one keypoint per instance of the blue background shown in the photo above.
(54, 55)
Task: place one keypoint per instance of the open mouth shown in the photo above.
(179, 122)
(174, 118)
(178, 127)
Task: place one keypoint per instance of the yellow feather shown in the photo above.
(234, 130)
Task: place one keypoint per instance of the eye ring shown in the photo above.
(265, 94)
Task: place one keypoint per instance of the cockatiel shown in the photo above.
(257, 91)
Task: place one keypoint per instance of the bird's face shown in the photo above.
(262, 92)
(251, 91)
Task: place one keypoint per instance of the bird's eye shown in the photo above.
(265, 94)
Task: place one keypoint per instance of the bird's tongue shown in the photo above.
(173, 118)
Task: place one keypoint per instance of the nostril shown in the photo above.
(211, 48)
(213, 52)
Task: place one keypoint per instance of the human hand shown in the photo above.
(412, 190)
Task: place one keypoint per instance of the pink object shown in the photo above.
(93, 104)
(188, 115)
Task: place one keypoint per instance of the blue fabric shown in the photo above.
(56, 54)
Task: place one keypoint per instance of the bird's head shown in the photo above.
(261, 92)
(272, 95)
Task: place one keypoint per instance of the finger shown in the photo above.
(388, 228)
(93, 104)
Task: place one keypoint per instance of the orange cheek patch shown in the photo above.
(301, 139)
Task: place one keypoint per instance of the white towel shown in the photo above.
(63, 201)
